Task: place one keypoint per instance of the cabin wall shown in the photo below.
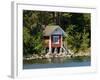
(53, 45)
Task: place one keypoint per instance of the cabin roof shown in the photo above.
(50, 29)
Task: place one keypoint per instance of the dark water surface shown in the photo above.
(56, 62)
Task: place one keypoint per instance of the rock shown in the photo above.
(68, 56)
(48, 55)
(81, 54)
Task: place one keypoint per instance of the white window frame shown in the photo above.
(55, 37)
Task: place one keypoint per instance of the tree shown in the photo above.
(32, 33)
(78, 32)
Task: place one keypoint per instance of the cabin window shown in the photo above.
(56, 39)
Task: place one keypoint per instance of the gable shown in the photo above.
(58, 31)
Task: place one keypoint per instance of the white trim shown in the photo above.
(49, 44)
(61, 41)
(57, 36)
(14, 37)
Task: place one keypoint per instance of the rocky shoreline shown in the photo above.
(52, 55)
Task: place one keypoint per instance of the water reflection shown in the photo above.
(56, 60)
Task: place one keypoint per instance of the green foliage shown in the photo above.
(78, 33)
(26, 35)
(32, 33)
(37, 43)
(85, 42)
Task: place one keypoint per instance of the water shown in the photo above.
(57, 63)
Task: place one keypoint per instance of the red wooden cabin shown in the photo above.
(53, 37)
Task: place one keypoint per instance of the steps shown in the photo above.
(65, 50)
(68, 52)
